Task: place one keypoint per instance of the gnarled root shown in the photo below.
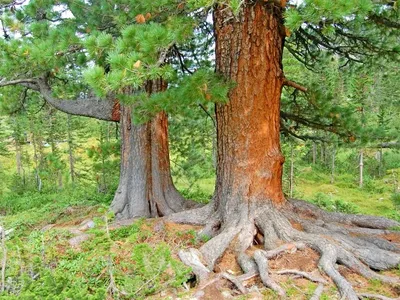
(353, 241)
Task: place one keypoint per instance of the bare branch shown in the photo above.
(93, 107)
(294, 85)
(29, 83)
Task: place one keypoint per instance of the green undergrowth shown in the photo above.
(376, 197)
(139, 261)
(313, 184)
(130, 262)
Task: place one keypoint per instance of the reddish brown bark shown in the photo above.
(249, 53)
(116, 111)
(249, 203)
(146, 188)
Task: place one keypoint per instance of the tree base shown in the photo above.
(355, 241)
(128, 205)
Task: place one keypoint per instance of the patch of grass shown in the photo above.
(325, 202)
(371, 202)
(396, 200)
(42, 264)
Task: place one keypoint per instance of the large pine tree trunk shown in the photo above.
(248, 204)
(249, 52)
(146, 188)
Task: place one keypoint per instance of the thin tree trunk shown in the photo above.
(36, 159)
(18, 157)
(380, 170)
(395, 182)
(3, 259)
(104, 186)
(361, 167)
(70, 150)
(333, 165)
(322, 153)
(108, 132)
(51, 132)
(291, 171)
(60, 179)
(314, 153)
(17, 149)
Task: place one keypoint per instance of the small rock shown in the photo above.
(76, 241)
(86, 224)
(198, 295)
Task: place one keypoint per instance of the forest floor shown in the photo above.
(80, 246)
(65, 245)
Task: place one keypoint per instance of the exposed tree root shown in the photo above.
(350, 240)
(303, 274)
(318, 292)
(193, 258)
(262, 263)
(197, 216)
(374, 296)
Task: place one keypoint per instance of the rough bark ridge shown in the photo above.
(146, 188)
(248, 201)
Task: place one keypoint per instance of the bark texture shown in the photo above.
(146, 188)
(249, 52)
(248, 204)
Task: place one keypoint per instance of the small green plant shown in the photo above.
(205, 238)
(325, 202)
(396, 200)
(196, 194)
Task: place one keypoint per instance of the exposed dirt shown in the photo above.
(179, 236)
(392, 237)
(303, 260)
(296, 225)
(228, 264)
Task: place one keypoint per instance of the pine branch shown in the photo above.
(163, 54)
(312, 124)
(286, 130)
(379, 20)
(208, 114)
